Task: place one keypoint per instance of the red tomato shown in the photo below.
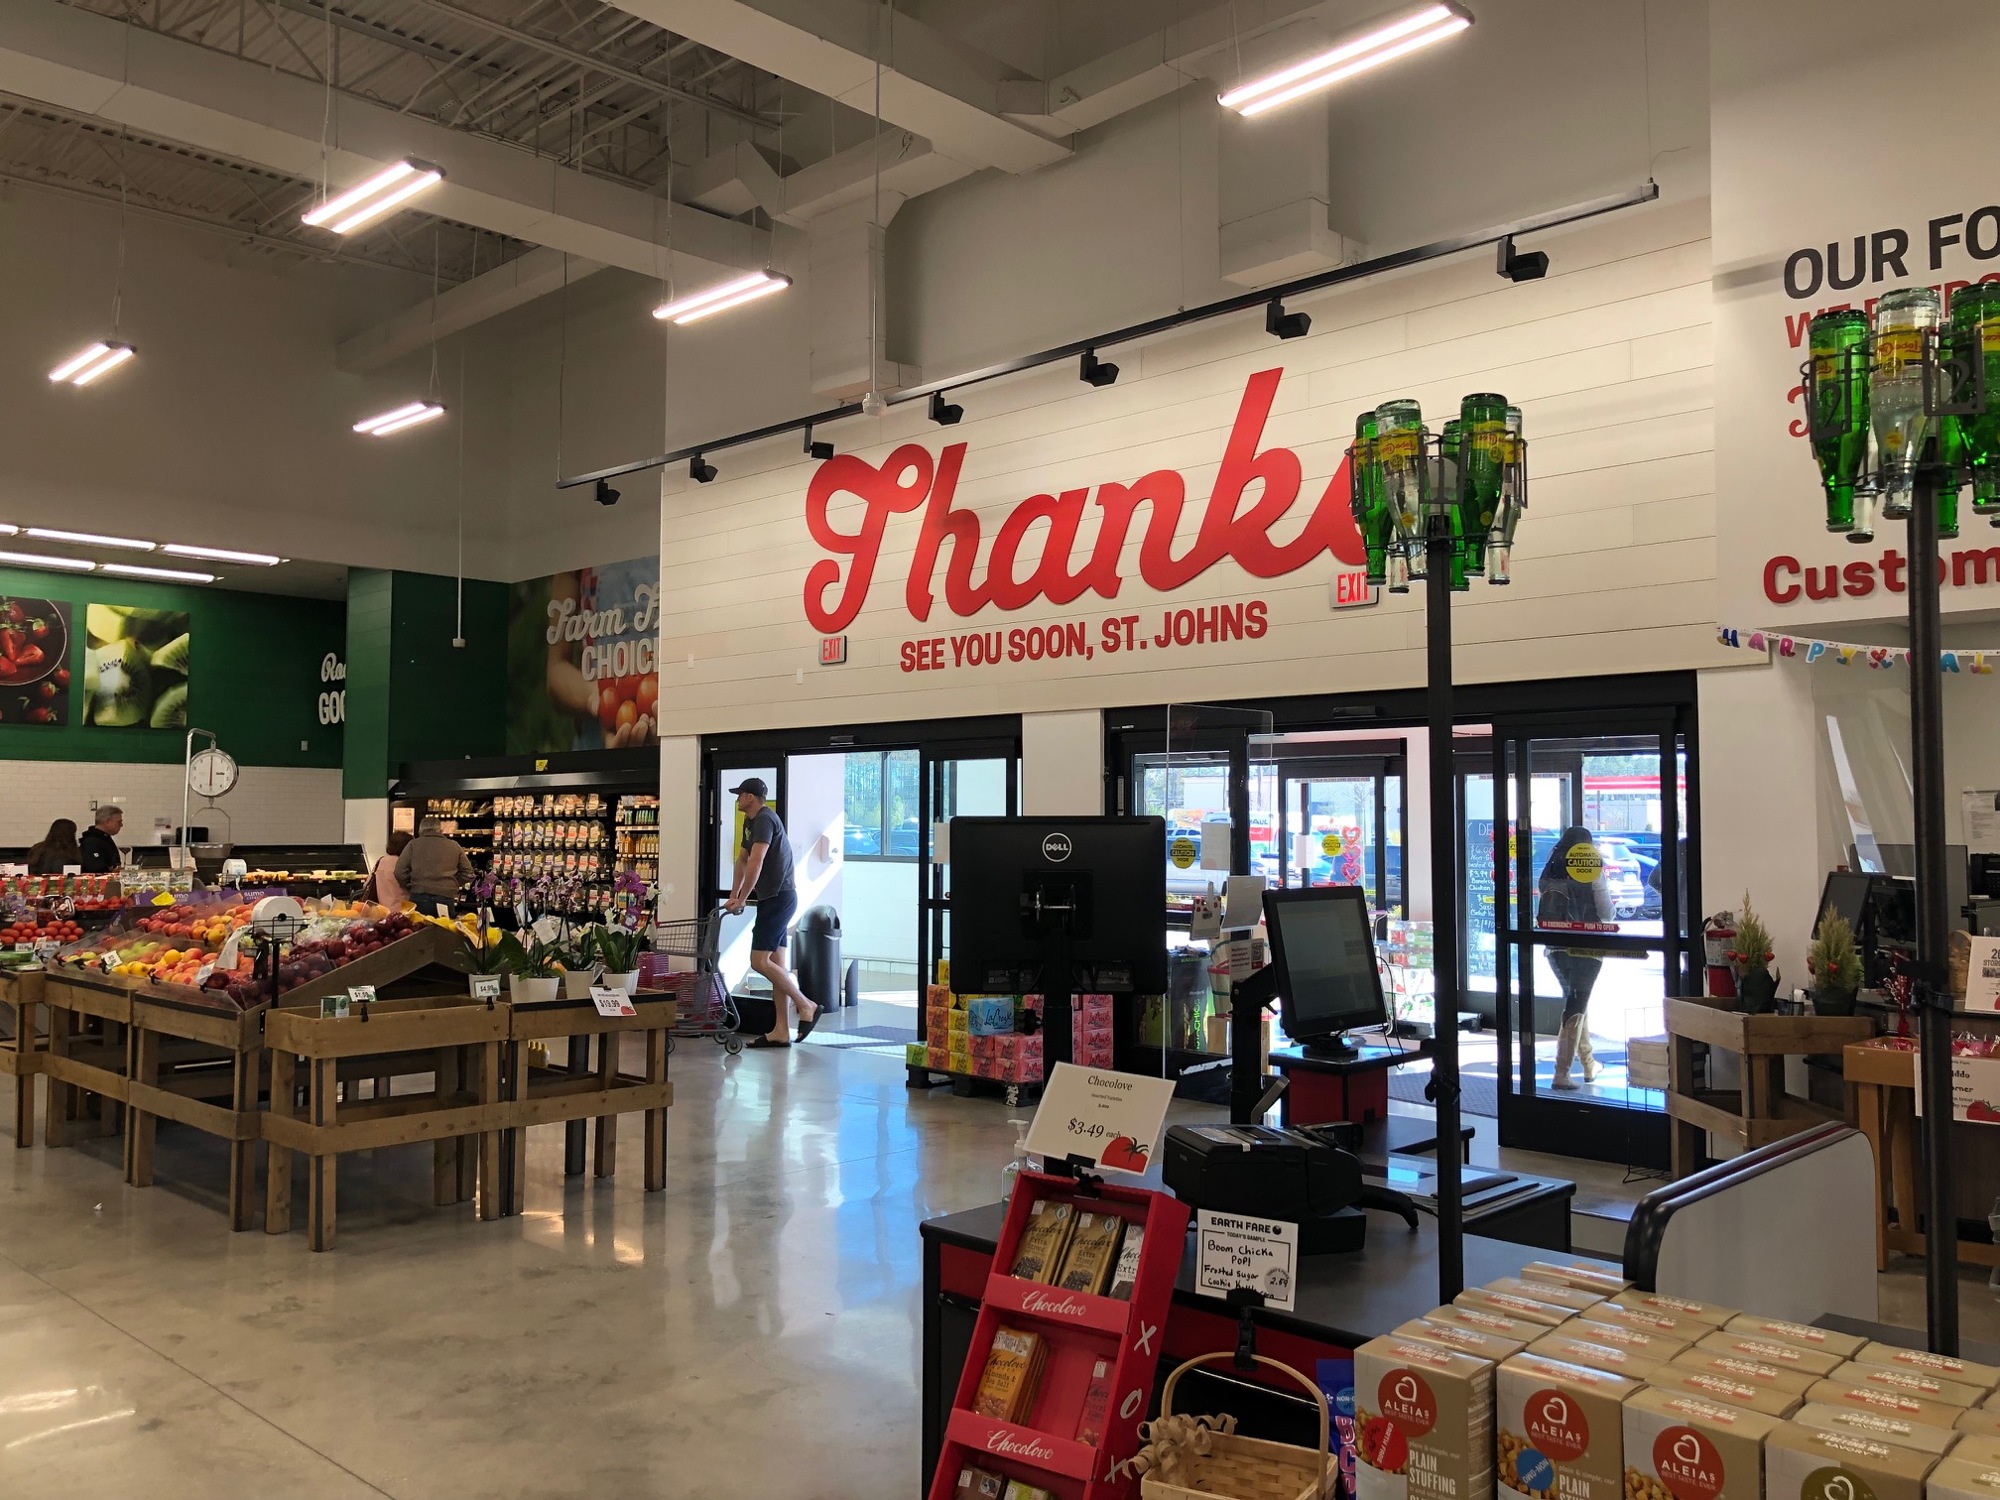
(628, 715)
(607, 706)
(649, 692)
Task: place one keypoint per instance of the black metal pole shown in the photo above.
(1444, 906)
(1933, 994)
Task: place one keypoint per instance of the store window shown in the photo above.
(882, 811)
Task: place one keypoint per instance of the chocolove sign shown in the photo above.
(1254, 494)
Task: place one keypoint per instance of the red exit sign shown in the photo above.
(1352, 590)
(832, 650)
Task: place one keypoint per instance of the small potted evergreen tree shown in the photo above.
(1835, 965)
(1750, 959)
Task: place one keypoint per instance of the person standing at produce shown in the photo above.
(56, 851)
(764, 877)
(433, 868)
(99, 845)
(383, 886)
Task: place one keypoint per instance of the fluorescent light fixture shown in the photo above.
(91, 539)
(1383, 44)
(98, 359)
(223, 554)
(171, 575)
(401, 417)
(722, 297)
(6, 530)
(363, 205)
(39, 560)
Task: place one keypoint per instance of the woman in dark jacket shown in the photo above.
(56, 850)
(1561, 897)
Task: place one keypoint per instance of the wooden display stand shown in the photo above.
(1882, 1081)
(1080, 1329)
(21, 1054)
(1761, 1111)
(90, 1015)
(456, 1040)
(578, 1093)
(170, 1034)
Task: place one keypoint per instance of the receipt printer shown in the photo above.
(1272, 1174)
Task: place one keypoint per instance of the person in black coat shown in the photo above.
(99, 844)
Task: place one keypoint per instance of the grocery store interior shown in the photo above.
(1288, 646)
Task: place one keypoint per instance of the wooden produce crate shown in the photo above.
(21, 1053)
(579, 1092)
(85, 1062)
(455, 1039)
(1761, 1111)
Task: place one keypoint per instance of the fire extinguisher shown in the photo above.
(1718, 937)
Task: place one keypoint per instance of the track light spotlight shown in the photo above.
(701, 471)
(604, 494)
(816, 450)
(1521, 265)
(1284, 325)
(1095, 372)
(943, 412)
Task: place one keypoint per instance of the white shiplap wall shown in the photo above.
(1615, 571)
(268, 805)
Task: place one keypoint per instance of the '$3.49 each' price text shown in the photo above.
(1087, 1129)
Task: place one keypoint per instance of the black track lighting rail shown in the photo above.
(1269, 301)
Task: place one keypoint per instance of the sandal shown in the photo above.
(806, 1027)
(764, 1041)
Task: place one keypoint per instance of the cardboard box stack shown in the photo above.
(1586, 1388)
(981, 1036)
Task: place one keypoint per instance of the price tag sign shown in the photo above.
(611, 1002)
(47, 949)
(1111, 1119)
(1233, 1250)
(201, 974)
(486, 986)
(361, 995)
(24, 947)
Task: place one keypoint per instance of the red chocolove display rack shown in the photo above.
(1080, 1329)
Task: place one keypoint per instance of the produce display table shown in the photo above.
(579, 1092)
(456, 1039)
(197, 1064)
(21, 1053)
(1761, 1111)
(1882, 1080)
(89, 1016)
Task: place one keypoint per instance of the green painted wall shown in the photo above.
(254, 674)
(411, 694)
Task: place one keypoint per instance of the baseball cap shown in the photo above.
(754, 785)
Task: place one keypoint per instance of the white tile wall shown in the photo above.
(269, 804)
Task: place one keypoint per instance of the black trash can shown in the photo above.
(816, 956)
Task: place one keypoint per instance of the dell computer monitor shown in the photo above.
(1323, 958)
(1090, 892)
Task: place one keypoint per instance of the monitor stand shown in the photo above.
(1335, 1048)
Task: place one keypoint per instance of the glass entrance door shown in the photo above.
(958, 785)
(1340, 823)
(1588, 938)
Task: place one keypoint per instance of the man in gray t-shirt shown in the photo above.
(764, 878)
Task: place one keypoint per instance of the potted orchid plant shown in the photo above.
(576, 956)
(617, 949)
(532, 976)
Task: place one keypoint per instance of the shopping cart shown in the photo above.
(703, 1007)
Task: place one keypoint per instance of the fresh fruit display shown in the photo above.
(135, 666)
(34, 661)
(172, 944)
(30, 931)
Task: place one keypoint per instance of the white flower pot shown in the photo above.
(576, 983)
(628, 982)
(533, 991)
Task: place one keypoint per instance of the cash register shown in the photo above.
(1324, 976)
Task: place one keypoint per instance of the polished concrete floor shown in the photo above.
(751, 1331)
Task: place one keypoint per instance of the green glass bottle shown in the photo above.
(1399, 449)
(1499, 551)
(1371, 510)
(1484, 417)
(1975, 328)
(1904, 320)
(1840, 381)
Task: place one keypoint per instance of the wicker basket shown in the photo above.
(1241, 1468)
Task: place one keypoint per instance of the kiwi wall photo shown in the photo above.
(135, 667)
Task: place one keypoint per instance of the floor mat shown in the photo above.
(882, 1038)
